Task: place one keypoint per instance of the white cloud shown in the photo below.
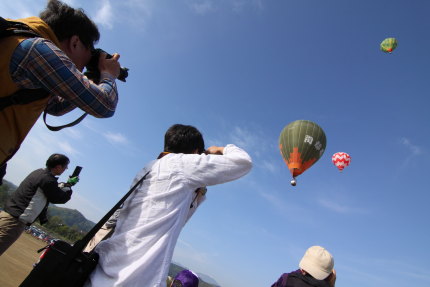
(259, 145)
(202, 7)
(244, 138)
(67, 148)
(414, 149)
(116, 138)
(269, 166)
(413, 152)
(74, 133)
(105, 12)
(135, 12)
(21, 9)
(104, 15)
(340, 208)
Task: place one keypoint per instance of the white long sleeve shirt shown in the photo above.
(141, 249)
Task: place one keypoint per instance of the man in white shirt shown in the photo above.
(140, 250)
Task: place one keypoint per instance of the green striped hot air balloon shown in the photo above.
(388, 45)
(302, 143)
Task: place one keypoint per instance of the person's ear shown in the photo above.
(70, 44)
(74, 41)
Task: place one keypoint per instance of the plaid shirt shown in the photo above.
(38, 63)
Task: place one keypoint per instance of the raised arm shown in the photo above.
(220, 165)
(54, 193)
(49, 68)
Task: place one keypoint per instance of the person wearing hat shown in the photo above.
(316, 269)
(185, 278)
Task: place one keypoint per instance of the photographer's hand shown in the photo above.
(215, 150)
(73, 180)
(110, 66)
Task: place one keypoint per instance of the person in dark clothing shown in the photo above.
(32, 197)
(316, 270)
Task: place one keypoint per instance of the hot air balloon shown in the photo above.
(388, 45)
(341, 160)
(302, 143)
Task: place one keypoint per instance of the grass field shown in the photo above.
(17, 261)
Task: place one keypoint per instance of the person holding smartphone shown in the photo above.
(31, 199)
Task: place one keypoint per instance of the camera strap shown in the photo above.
(57, 128)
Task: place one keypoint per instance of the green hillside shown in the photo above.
(71, 217)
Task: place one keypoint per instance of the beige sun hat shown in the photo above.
(318, 262)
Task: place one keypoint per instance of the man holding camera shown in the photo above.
(140, 249)
(32, 197)
(44, 73)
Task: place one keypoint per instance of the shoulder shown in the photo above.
(282, 281)
(36, 47)
(38, 173)
(46, 176)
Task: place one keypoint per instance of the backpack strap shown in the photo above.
(23, 97)
(11, 28)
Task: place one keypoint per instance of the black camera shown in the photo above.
(92, 67)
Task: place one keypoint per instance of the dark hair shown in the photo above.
(183, 139)
(57, 159)
(66, 22)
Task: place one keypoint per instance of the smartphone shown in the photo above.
(77, 171)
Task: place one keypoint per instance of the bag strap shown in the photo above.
(80, 244)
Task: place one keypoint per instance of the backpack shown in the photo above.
(26, 96)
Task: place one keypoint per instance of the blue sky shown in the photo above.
(240, 71)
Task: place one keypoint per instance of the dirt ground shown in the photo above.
(17, 261)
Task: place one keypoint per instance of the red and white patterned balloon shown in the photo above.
(341, 160)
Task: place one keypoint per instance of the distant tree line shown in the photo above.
(56, 226)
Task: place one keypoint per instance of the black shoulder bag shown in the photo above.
(67, 265)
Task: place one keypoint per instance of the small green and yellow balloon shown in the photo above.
(388, 45)
(302, 143)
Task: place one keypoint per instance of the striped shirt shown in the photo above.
(38, 63)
